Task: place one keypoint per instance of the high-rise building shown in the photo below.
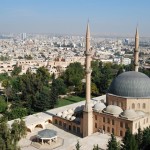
(23, 36)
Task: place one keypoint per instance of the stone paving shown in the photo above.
(70, 140)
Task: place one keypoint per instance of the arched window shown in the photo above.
(55, 121)
(144, 105)
(104, 128)
(60, 123)
(138, 106)
(117, 103)
(108, 129)
(38, 126)
(121, 134)
(95, 125)
(121, 104)
(103, 119)
(113, 130)
(133, 106)
(121, 124)
(113, 122)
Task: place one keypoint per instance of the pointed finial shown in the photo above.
(88, 30)
(137, 33)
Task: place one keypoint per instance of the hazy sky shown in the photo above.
(107, 17)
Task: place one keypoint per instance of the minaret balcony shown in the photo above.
(88, 71)
(88, 53)
(136, 50)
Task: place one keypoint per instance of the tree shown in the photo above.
(43, 75)
(129, 67)
(4, 76)
(9, 137)
(139, 138)
(106, 77)
(113, 144)
(129, 142)
(59, 85)
(23, 128)
(96, 147)
(146, 137)
(94, 89)
(121, 70)
(16, 71)
(17, 113)
(6, 84)
(18, 130)
(96, 73)
(2, 144)
(102, 75)
(78, 146)
(73, 74)
(3, 105)
(54, 96)
(42, 100)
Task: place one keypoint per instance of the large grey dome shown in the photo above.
(131, 84)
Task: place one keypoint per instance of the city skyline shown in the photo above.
(113, 18)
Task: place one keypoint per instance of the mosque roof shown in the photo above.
(112, 109)
(129, 114)
(99, 106)
(131, 84)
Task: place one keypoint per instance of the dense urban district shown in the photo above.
(44, 72)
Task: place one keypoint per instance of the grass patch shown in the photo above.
(69, 100)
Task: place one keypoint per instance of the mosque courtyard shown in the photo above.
(69, 140)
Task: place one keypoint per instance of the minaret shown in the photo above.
(87, 112)
(136, 51)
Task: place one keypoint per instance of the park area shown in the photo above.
(69, 100)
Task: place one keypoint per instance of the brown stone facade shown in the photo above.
(70, 126)
(142, 104)
(107, 123)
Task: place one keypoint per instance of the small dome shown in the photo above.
(99, 107)
(72, 118)
(77, 119)
(94, 102)
(70, 111)
(82, 107)
(59, 114)
(65, 112)
(131, 84)
(140, 113)
(78, 109)
(64, 115)
(115, 110)
(73, 109)
(68, 117)
(129, 113)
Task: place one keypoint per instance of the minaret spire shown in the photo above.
(88, 66)
(87, 112)
(136, 51)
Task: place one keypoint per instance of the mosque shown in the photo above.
(127, 103)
